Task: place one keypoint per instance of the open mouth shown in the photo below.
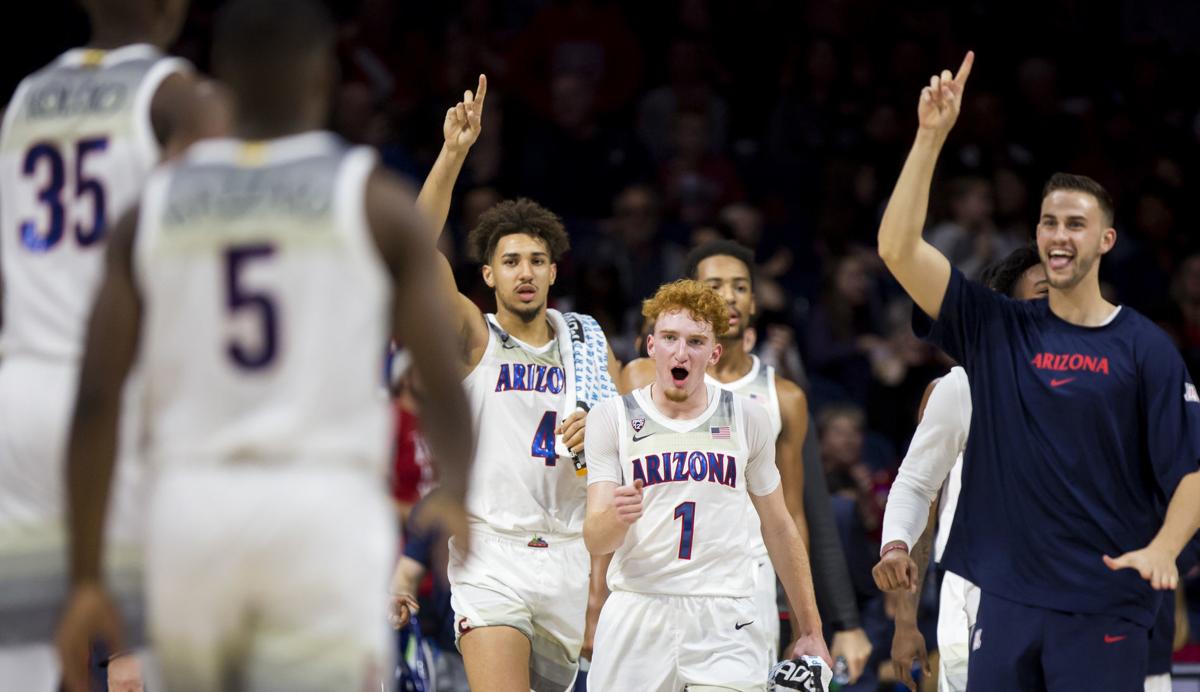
(679, 376)
(1059, 260)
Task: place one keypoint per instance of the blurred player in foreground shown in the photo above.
(672, 468)
(78, 140)
(1085, 425)
(256, 284)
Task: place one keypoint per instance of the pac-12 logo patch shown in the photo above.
(1189, 393)
(638, 424)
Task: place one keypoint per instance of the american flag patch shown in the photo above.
(1189, 393)
(720, 433)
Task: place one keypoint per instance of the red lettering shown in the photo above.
(1060, 362)
(1104, 365)
(1037, 361)
(1075, 362)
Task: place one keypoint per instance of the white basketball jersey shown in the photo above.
(518, 484)
(75, 148)
(694, 535)
(265, 307)
(758, 385)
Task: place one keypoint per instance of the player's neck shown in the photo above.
(1082, 304)
(535, 332)
(734, 362)
(261, 128)
(687, 409)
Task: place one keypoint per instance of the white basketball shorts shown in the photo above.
(957, 610)
(654, 643)
(270, 579)
(540, 591)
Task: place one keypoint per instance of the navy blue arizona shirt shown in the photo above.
(1079, 436)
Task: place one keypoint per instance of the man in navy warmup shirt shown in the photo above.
(1085, 424)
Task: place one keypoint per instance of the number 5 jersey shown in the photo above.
(266, 307)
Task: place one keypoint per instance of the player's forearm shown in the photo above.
(1183, 515)
(435, 196)
(900, 229)
(603, 532)
(905, 518)
(91, 455)
(790, 560)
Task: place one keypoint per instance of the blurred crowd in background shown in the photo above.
(653, 126)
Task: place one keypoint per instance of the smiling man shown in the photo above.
(674, 469)
(1085, 426)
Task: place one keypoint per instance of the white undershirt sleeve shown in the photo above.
(762, 475)
(940, 438)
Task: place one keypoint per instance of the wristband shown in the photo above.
(894, 545)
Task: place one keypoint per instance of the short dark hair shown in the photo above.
(1002, 275)
(1082, 183)
(256, 42)
(718, 248)
(517, 216)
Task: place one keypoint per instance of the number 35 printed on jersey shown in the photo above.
(47, 161)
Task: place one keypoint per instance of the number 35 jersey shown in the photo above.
(75, 148)
(265, 307)
(518, 484)
(694, 535)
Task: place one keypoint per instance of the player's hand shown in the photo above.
(940, 102)
(627, 500)
(572, 430)
(1156, 565)
(853, 646)
(464, 121)
(812, 645)
(90, 616)
(908, 645)
(896, 571)
(404, 606)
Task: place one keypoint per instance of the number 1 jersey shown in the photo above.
(265, 307)
(695, 536)
(76, 146)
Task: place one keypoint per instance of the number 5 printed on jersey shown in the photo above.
(239, 299)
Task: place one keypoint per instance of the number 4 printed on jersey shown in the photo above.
(543, 439)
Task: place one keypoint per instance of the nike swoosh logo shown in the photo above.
(1059, 383)
(740, 625)
(639, 438)
(1111, 639)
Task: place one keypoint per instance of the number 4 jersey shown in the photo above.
(694, 535)
(265, 306)
(519, 486)
(75, 148)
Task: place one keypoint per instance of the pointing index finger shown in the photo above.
(964, 70)
(481, 90)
